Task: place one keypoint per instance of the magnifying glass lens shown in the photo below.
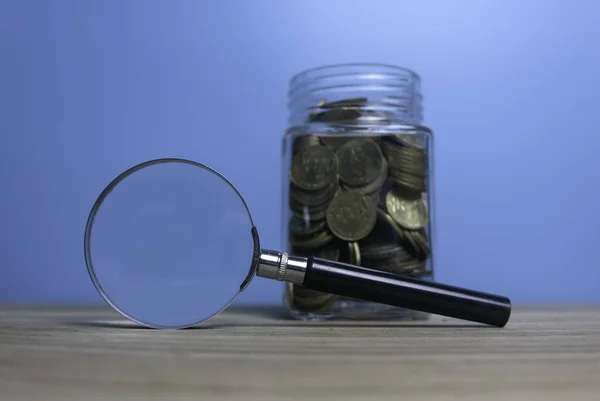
(168, 243)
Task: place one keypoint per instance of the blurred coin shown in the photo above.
(301, 142)
(300, 227)
(404, 160)
(296, 205)
(351, 116)
(413, 140)
(406, 209)
(383, 251)
(351, 215)
(315, 167)
(329, 252)
(408, 266)
(421, 271)
(407, 241)
(375, 198)
(375, 185)
(354, 251)
(353, 102)
(313, 198)
(383, 241)
(377, 139)
(420, 239)
(318, 303)
(349, 111)
(368, 116)
(394, 264)
(410, 152)
(312, 241)
(336, 115)
(360, 161)
(335, 141)
(412, 161)
(306, 212)
(408, 181)
(309, 300)
(303, 292)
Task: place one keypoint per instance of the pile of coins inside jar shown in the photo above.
(359, 199)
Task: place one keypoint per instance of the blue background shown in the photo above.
(512, 91)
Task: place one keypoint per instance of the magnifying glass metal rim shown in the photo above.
(102, 197)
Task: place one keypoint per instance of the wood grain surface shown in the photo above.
(250, 354)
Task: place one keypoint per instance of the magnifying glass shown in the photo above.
(170, 243)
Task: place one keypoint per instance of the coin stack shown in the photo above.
(407, 161)
(357, 199)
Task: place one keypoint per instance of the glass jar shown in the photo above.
(357, 181)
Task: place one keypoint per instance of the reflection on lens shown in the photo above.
(169, 243)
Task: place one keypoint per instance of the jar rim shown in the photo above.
(314, 72)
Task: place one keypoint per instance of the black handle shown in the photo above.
(406, 292)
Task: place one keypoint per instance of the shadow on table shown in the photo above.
(274, 316)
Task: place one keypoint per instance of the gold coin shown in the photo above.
(408, 211)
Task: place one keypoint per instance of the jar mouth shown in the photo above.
(333, 70)
(386, 89)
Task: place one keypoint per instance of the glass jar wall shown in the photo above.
(357, 181)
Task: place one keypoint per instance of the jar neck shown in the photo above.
(355, 94)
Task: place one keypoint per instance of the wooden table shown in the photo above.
(258, 354)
